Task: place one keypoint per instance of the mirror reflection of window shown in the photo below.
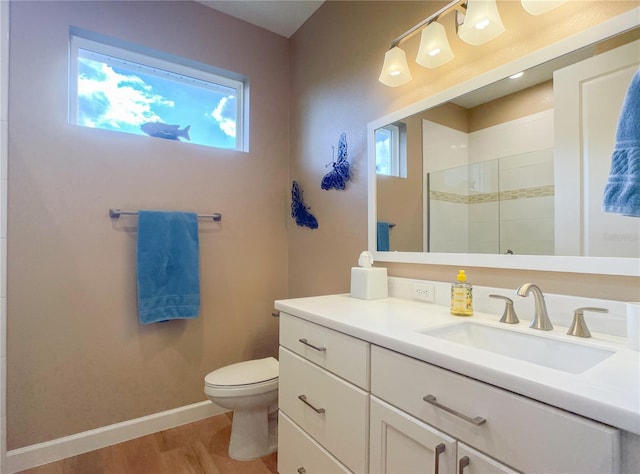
(391, 150)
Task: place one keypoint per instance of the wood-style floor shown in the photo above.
(195, 448)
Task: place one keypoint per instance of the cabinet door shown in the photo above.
(471, 461)
(400, 443)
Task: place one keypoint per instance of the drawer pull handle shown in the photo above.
(307, 343)
(302, 470)
(439, 450)
(303, 399)
(464, 462)
(478, 420)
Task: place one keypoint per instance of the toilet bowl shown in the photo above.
(250, 389)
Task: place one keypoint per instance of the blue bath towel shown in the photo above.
(622, 192)
(168, 266)
(383, 236)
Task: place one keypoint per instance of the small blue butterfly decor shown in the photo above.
(299, 210)
(337, 178)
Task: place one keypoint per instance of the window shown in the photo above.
(391, 150)
(123, 88)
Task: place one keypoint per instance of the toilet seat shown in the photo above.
(243, 379)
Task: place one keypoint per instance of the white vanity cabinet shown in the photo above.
(323, 399)
(521, 433)
(347, 404)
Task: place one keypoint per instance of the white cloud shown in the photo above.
(226, 124)
(129, 98)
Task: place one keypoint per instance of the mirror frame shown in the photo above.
(572, 264)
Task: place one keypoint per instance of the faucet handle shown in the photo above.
(509, 316)
(578, 326)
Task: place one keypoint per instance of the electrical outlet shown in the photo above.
(424, 292)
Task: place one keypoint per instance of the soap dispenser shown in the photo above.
(367, 282)
(461, 296)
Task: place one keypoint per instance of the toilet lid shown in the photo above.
(244, 373)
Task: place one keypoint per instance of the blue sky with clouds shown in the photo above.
(121, 100)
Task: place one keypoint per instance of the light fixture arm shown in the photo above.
(451, 6)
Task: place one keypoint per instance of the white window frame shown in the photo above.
(398, 149)
(177, 69)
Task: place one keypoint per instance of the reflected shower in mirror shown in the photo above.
(496, 206)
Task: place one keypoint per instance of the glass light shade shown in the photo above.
(434, 48)
(482, 22)
(395, 70)
(538, 7)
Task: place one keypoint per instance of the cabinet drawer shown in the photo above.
(525, 434)
(334, 413)
(298, 453)
(343, 355)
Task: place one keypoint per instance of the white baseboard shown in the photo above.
(57, 449)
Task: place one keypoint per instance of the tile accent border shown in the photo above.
(523, 193)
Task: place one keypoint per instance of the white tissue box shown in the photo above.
(369, 283)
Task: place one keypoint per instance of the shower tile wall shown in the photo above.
(449, 227)
(526, 204)
(467, 204)
(447, 148)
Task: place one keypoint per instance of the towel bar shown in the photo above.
(115, 213)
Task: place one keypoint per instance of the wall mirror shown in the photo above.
(508, 173)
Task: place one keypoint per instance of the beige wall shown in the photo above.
(529, 101)
(335, 63)
(449, 115)
(77, 357)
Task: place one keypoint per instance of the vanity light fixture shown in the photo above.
(538, 7)
(477, 21)
(482, 22)
(434, 48)
(395, 70)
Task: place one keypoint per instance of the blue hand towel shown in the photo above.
(622, 191)
(383, 236)
(168, 266)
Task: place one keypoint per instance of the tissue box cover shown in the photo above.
(369, 283)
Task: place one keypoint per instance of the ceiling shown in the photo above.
(283, 17)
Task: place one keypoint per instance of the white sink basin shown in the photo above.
(548, 352)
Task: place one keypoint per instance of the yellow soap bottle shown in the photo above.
(461, 296)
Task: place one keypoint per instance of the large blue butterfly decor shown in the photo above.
(337, 178)
(299, 210)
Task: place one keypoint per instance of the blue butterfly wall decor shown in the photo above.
(337, 178)
(299, 210)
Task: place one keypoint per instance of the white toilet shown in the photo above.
(250, 389)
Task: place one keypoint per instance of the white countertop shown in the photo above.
(608, 392)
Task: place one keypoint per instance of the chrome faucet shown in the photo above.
(541, 317)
